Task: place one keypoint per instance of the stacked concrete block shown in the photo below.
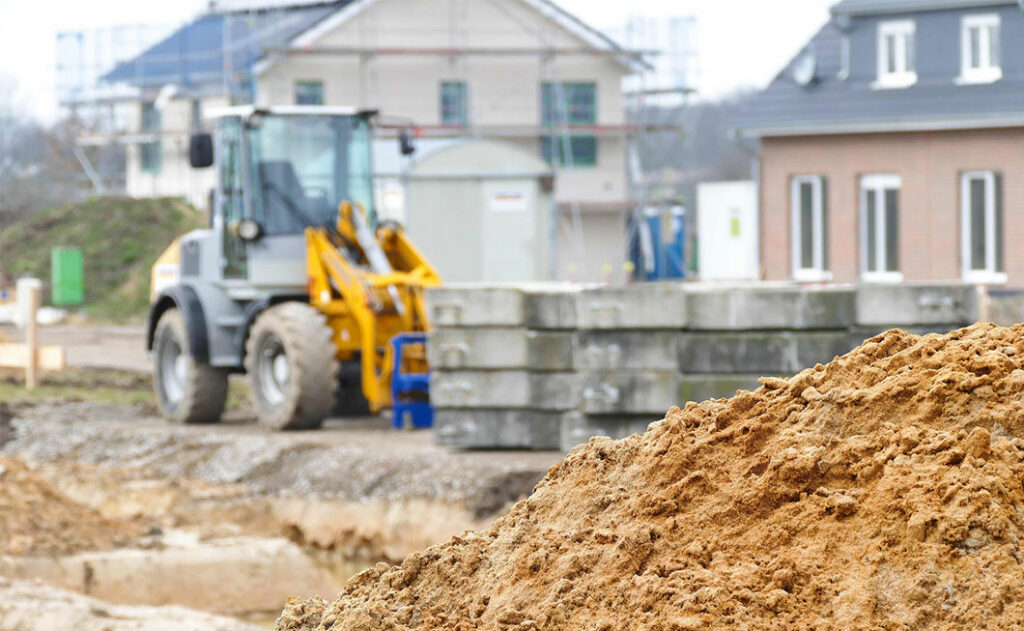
(627, 357)
(717, 340)
(502, 369)
(552, 365)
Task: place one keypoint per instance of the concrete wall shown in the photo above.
(930, 164)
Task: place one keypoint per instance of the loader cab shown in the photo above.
(280, 170)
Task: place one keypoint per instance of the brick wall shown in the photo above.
(930, 164)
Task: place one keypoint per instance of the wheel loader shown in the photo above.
(294, 283)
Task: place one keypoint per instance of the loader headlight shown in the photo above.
(246, 229)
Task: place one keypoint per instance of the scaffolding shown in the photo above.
(221, 52)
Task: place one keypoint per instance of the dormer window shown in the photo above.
(897, 67)
(979, 49)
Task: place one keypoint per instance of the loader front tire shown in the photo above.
(289, 358)
(187, 391)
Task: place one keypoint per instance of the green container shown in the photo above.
(66, 277)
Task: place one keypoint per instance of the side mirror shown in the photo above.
(200, 150)
(405, 143)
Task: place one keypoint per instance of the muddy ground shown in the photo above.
(292, 513)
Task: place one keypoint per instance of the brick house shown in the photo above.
(892, 146)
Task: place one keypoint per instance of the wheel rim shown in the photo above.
(273, 371)
(173, 372)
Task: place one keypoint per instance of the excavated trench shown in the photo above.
(230, 521)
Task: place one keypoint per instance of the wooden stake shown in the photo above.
(32, 338)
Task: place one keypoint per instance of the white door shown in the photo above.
(512, 247)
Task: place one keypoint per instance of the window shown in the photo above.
(880, 227)
(582, 150)
(454, 103)
(564, 105)
(844, 58)
(897, 64)
(981, 227)
(809, 229)
(979, 49)
(309, 93)
(151, 153)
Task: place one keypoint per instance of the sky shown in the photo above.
(741, 43)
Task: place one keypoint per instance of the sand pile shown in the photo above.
(883, 490)
(36, 519)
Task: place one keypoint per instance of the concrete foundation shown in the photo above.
(234, 576)
(492, 429)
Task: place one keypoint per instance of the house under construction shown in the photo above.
(523, 76)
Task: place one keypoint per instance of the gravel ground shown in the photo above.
(351, 460)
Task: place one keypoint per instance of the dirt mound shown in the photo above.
(35, 519)
(880, 491)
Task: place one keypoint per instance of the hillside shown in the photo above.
(119, 238)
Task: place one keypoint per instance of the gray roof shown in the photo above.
(834, 105)
(872, 7)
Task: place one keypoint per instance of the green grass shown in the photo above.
(117, 387)
(16, 393)
(120, 238)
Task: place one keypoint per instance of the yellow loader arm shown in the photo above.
(366, 308)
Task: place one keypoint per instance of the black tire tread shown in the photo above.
(309, 344)
(206, 389)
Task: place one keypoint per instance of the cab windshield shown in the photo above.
(302, 167)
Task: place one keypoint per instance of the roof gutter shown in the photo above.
(833, 129)
(905, 6)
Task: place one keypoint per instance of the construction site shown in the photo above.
(383, 315)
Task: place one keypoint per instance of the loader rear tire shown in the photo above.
(187, 391)
(289, 358)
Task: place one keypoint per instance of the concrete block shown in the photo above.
(641, 306)
(901, 305)
(497, 429)
(504, 389)
(767, 352)
(495, 348)
(630, 392)
(1006, 306)
(577, 428)
(626, 350)
(533, 305)
(703, 387)
(752, 308)
(551, 306)
(475, 305)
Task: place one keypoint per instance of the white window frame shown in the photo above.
(902, 77)
(816, 273)
(844, 58)
(989, 274)
(988, 72)
(878, 183)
